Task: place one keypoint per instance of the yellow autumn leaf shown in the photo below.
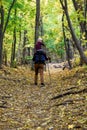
(31, 107)
(70, 126)
(39, 128)
(79, 82)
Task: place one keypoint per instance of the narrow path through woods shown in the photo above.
(24, 106)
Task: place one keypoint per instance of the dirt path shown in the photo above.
(24, 106)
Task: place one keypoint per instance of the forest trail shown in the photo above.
(57, 106)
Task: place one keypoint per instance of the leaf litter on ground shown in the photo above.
(24, 106)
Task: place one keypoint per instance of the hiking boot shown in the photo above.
(42, 84)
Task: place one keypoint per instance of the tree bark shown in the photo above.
(5, 56)
(37, 20)
(24, 49)
(37, 23)
(19, 51)
(67, 53)
(1, 33)
(14, 43)
(41, 27)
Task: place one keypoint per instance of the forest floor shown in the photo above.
(60, 105)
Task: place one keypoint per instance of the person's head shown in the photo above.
(39, 40)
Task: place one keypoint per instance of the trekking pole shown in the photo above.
(49, 72)
(48, 68)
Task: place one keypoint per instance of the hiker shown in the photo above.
(39, 59)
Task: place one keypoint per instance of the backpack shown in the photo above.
(39, 57)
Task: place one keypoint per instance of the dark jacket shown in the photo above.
(40, 57)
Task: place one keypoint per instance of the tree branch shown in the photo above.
(70, 92)
(8, 16)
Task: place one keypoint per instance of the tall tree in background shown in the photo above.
(1, 31)
(14, 41)
(74, 37)
(66, 43)
(37, 23)
(24, 49)
(3, 26)
(41, 26)
(37, 20)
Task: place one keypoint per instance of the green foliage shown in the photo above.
(60, 49)
(51, 13)
(85, 52)
(77, 61)
(24, 20)
(28, 58)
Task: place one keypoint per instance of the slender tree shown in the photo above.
(24, 43)
(3, 26)
(37, 20)
(14, 41)
(37, 23)
(66, 42)
(41, 26)
(1, 32)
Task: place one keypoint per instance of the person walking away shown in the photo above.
(39, 59)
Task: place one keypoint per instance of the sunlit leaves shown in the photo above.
(70, 126)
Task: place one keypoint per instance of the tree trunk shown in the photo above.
(1, 33)
(13, 44)
(67, 51)
(24, 49)
(41, 27)
(37, 24)
(28, 51)
(19, 51)
(5, 56)
(77, 42)
(13, 48)
(37, 20)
